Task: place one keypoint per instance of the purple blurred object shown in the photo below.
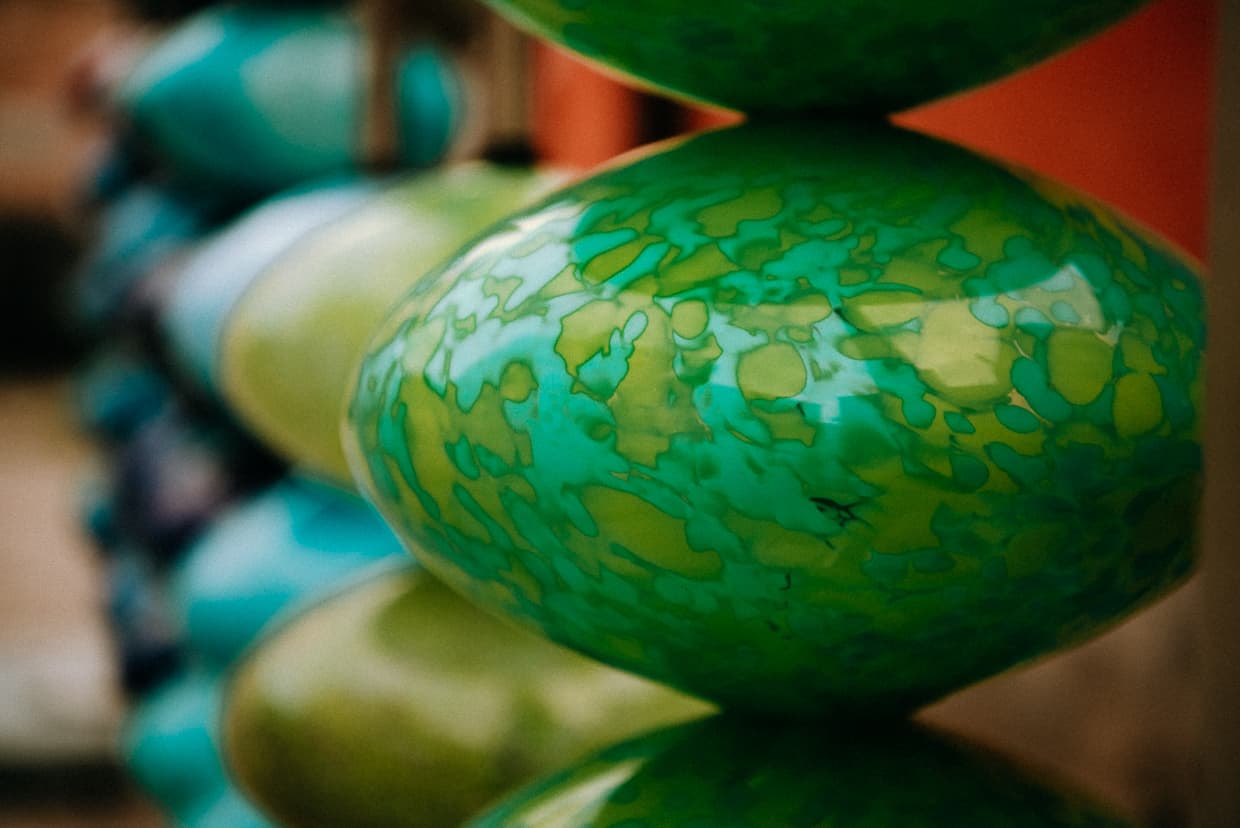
(178, 471)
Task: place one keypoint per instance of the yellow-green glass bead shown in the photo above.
(397, 703)
(291, 343)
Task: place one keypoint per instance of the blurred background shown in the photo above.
(1127, 116)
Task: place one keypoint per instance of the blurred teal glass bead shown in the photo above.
(230, 809)
(732, 772)
(171, 748)
(117, 392)
(259, 98)
(294, 542)
(800, 417)
(800, 55)
(138, 232)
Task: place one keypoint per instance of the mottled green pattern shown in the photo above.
(796, 55)
(735, 774)
(797, 417)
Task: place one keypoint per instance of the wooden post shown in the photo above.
(1219, 803)
(508, 76)
(380, 128)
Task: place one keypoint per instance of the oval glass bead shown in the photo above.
(801, 417)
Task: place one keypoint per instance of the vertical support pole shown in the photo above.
(382, 22)
(1219, 802)
(508, 74)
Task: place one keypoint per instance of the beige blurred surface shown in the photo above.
(56, 673)
(44, 148)
(59, 706)
(1117, 717)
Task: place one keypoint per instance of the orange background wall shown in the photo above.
(1125, 116)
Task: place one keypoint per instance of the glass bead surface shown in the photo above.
(761, 775)
(802, 55)
(289, 544)
(217, 274)
(395, 702)
(252, 99)
(803, 418)
(288, 347)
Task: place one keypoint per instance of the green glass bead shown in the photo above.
(804, 418)
(723, 772)
(800, 55)
(289, 346)
(397, 703)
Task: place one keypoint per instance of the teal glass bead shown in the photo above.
(805, 418)
(294, 542)
(803, 55)
(140, 231)
(254, 99)
(171, 748)
(229, 810)
(724, 771)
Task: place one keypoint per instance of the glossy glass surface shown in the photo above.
(806, 418)
(397, 703)
(733, 773)
(290, 346)
(797, 55)
(255, 98)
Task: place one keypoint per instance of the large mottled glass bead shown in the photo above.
(799, 55)
(734, 772)
(288, 347)
(396, 703)
(799, 417)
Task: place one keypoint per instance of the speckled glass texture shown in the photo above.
(803, 418)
